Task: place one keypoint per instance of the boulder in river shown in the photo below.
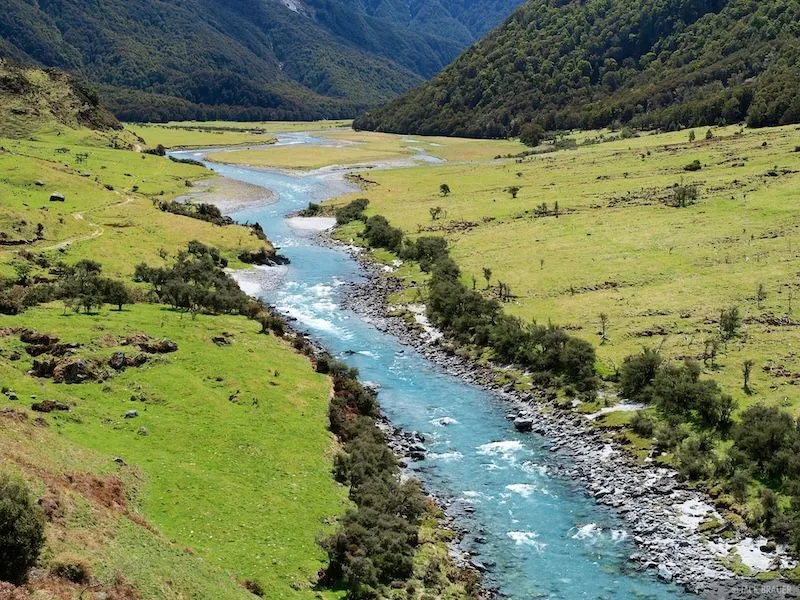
(523, 424)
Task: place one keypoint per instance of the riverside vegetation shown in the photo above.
(687, 304)
(167, 446)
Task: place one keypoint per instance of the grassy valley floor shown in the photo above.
(592, 230)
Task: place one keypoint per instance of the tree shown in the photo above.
(637, 373)
(82, 285)
(603, 328)
(761, 295)
(436, 212)
(729, 323)
(747, 367)
(487, 275)
(531, 134)
(444, 189)
(513, 190)
(21, 530)
(692, 136)
(709, 135)
(116, 292)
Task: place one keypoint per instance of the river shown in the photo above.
(539, 535)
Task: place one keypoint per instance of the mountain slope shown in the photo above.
(591, 63)
(245, 59)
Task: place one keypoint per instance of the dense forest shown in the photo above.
(593, 63)
(245, 59)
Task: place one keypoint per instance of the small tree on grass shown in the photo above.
(692, 136)
(513, 190)
(487, 275)
(603, 328)
(436, 212)
(21, 530)
(747, 367)
(444, 189)
(116, 292)
(684, 195)
(761, 295)
(729, 323)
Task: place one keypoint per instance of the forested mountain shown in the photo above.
(245, 59)
(589, 63)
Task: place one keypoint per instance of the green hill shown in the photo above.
(593, 63)
(245, 59)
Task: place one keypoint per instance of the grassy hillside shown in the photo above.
(616, 246)
(564, 65)
(245, 60)
(224, 475)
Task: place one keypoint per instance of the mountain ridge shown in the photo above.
(244, 59)
(595, 63)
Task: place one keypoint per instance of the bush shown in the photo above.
(637, 373)
(21, 530)
(642, 424)
(695, 165)
(684, 195)
(380, 234)
(353, 211)
(531, 134)
(72, 568)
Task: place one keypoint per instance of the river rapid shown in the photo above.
(539, 534)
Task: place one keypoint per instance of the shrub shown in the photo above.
(72, 568)
(353, 211)
(380, 234)
(637, 373)
(695, 165)
(531, 134)
(729, 322)
(684, 195)
(21, 530)
(642, 424)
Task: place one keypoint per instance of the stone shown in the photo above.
(75, 370)
(11, 395)
(47, 406)
(142, 431)
(163, 346)
(57, 197)
(117, 361)
(131, 414)
(523, 424)
(664, 574)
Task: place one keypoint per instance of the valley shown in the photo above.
(399, 300)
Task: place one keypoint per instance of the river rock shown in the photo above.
(523, 424)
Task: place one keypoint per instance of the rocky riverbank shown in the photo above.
(663, 515)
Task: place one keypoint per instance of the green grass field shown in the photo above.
(661, 274)
(119, 226)
(236, 461)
